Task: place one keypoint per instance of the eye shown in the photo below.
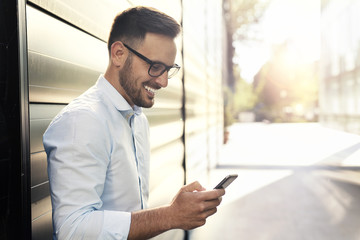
(157, 67)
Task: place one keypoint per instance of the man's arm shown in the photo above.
(77, 147)
(189, 209)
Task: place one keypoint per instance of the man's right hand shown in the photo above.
(189, 209)
(193, 204)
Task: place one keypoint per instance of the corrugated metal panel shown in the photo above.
(67, 80)
(196, 90)
(214, 26)
(93, 16)
(42, 227)
(202, 29)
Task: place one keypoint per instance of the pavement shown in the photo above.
(296, 182)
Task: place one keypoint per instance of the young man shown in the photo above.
(98, 146)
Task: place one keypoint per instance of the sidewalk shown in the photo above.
(296, 182)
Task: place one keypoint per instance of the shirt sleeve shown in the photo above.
(78, 147)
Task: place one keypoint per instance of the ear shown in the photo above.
(118, 54)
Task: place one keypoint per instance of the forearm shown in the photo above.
(149, 223)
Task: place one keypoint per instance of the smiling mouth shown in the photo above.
(150, 90)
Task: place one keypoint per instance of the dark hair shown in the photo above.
(132, 25)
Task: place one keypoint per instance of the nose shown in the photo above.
(162, 80)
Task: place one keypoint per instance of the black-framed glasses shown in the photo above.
(156, 69)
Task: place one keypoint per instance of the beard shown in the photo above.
(129, 84)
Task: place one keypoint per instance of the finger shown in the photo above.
(210, 212)
(195, 186)
(211, 204)
(212, 194)
(221, 192)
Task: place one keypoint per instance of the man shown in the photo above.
(98, 148)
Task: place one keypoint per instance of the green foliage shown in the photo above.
(228, 107)
(242, 99)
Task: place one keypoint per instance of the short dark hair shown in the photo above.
(132, 25)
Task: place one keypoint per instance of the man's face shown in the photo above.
(138, 85)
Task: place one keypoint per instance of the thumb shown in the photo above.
(195, 186)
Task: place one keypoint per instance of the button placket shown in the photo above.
(132, 126)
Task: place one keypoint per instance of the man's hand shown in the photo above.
(189, 209)
(192, 205)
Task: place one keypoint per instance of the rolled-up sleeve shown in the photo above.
(78, 146)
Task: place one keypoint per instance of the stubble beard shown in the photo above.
(128, 83)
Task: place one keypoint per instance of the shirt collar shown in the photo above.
(117, 99)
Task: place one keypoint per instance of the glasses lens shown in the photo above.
(156, 69)
(173, 71)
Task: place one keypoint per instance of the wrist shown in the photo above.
(151, 222)
(169, 217)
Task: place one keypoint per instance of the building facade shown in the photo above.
(339, 90)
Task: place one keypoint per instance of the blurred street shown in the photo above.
(296, 182)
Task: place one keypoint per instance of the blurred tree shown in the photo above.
(240, 15)
(244, 98)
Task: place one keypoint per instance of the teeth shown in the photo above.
(150, 89)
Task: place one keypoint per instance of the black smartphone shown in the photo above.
(226, 181)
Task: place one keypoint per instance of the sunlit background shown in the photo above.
(292, 22)
(295, 61)
(277, 52)
(292, 114)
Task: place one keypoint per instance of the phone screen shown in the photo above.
(226, 181)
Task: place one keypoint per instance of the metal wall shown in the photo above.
(203, 49)
(67, 52)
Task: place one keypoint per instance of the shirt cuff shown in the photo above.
(116, 225)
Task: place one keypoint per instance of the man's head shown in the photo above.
(142, 53)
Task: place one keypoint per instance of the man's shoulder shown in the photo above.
(91, 103)
(91, 100)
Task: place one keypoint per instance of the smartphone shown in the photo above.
(226, 181)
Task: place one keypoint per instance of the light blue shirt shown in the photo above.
(98, 164)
